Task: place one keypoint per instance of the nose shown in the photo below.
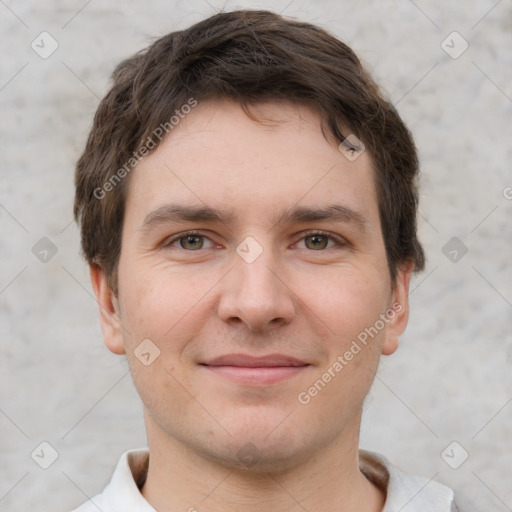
(256, 293)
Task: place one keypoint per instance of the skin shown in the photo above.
(304, 297)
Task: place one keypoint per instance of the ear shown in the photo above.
(109, 310)
(398, 312)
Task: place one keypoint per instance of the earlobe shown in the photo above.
(399, 309)
(108, 309)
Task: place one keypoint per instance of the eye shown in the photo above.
(189, 241)
(194, 241)
(319, 240)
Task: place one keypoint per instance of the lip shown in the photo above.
(247, 369)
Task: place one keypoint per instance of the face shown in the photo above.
(253, 271)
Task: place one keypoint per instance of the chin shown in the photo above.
(250, 458)
(255, 452)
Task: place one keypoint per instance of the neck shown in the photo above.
(179, 478)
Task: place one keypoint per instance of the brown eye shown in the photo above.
(192, 242)
(316, 242)
(188, 241)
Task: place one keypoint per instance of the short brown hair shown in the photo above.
(250, 57)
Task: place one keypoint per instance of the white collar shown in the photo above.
(406, 493)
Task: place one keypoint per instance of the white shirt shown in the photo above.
(405, 493)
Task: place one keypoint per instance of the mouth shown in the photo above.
(248, 369)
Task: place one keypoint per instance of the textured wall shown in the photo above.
(449, 381)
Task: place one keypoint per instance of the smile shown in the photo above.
(246, 369)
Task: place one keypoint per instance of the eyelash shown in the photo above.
(339, 241)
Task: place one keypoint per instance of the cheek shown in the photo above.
(163, 305)
(148, 300)
(158, 306)
(350, 304)
(349, 301)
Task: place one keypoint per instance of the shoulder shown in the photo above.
(122, 492)
(406, 492)
(92, 505)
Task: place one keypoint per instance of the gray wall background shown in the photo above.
(449, 381)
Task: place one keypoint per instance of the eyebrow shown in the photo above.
(173, 212)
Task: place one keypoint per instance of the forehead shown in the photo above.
(276, 158)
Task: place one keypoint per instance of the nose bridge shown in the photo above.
(254, 271)
(254, 293)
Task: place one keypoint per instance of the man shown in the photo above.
(247, 206)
